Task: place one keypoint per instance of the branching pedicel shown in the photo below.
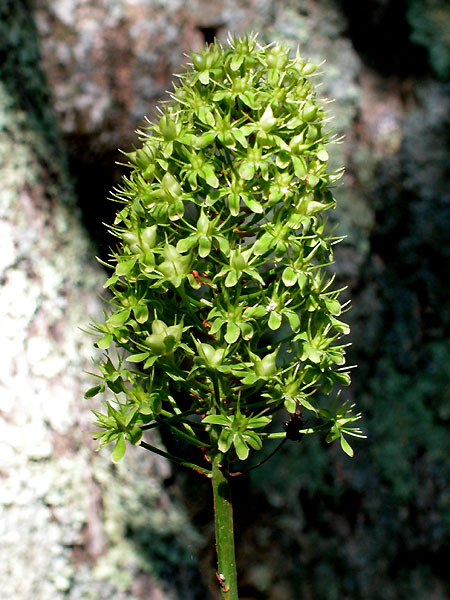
(221, 298)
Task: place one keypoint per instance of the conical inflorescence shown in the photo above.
(222, 305)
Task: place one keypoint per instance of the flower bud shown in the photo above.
(237, 260)
(148, 237)
(168, 128)
(309, 111)
(163, 339)
(308, 68)
(203, 224)
(277, 58)
(171, 185)
(131, 239)
(209, 356)
(312, 133)
(159, 327)
(266, 367)
(267, 120)
(156, 344)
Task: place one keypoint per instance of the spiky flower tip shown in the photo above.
(221, 298)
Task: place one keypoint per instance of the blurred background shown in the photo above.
(76, 79)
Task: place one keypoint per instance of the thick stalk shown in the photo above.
(223, 518)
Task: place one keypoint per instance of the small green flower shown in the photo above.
(266, 368)
(239, 266)
(161, 342)
(206, 236)
(237, 431)
(118, 425)
(238, 320)
(207, 63)
(174, 267)
(166, 199)
(278, 307)
(210, 357)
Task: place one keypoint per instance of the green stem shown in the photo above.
(176, 459)
(223, 518)
(170, 417)
(192, 439)
(215, 381)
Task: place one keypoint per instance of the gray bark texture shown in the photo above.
(310, 523)
(110, 62)
(71, 524)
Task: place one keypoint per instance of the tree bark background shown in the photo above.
(72, 525)
(310, 523)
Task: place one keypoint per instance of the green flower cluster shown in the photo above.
(221, 300)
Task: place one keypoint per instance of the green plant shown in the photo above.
(220, 297)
